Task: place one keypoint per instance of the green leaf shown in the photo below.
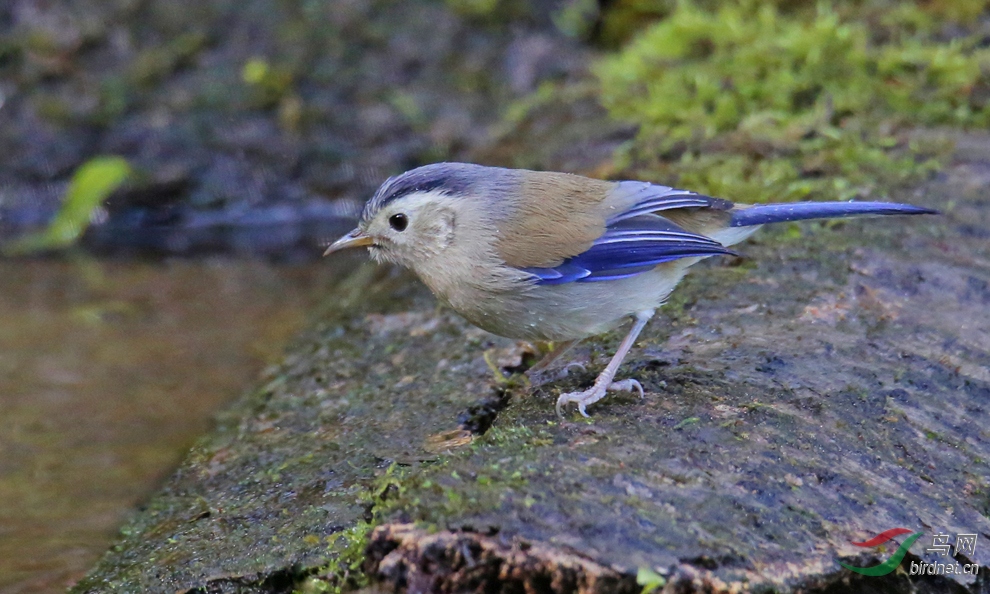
(686, 422)
(91, 184)
(649, 579)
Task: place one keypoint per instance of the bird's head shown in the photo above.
(414, 216)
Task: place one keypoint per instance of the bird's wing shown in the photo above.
(581, 230)
(629, 247)
(729, 223)
(551, 217)
(573, 229)
(630, 199)
(559, 216)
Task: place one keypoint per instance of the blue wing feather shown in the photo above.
(630, 246)
(646, 198)
(636, 239)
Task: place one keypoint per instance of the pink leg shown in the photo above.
(551, 357)
(604, 382)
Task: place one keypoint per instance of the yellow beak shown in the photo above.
(355, 238)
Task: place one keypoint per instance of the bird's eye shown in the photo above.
(399, 222)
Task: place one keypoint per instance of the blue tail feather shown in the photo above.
(797, 211)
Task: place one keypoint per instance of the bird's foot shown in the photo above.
(544, 376)
(596, 393)
(627, 385)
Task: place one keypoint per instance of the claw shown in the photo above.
(604, 381)
(629, 385)
(545, 376)
(596, 393)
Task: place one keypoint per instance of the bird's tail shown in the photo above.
(760, 214)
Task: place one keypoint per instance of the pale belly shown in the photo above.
(569, 311)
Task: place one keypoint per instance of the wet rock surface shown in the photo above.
(830, 386)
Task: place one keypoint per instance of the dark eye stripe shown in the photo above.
(421, 186)
(447, 178)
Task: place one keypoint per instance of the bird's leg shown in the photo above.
(604, 381)
(559, 350)
(537, 373)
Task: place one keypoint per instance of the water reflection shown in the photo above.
(108, 371)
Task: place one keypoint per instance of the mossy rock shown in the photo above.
(833, 388)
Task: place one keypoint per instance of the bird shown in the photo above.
(559, 257)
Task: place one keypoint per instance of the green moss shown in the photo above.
(757, 101)
(347, 548)
(271, 84)
(490, 12)
(154, 64)
(474, 7)
(53, 109)
(610, 27)
(429, 491)
(446, 487)
(686, 422)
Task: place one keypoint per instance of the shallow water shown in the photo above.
(108, 372)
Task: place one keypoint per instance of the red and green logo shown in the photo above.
(890, 564)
